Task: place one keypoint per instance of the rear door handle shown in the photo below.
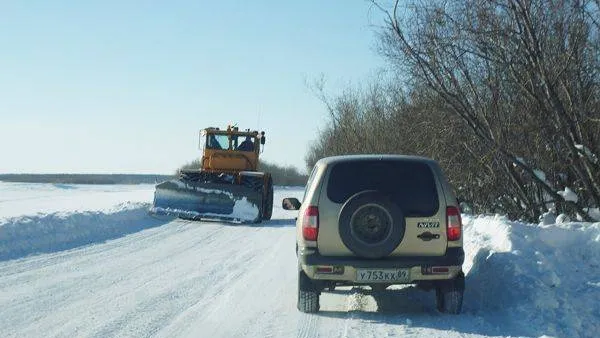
(427, 236)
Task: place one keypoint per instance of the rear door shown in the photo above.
(408, 183)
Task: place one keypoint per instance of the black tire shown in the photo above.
(259, 217)
(449, 295)
(371, 225)
(253, 182)
(268, 204)
(308, 295)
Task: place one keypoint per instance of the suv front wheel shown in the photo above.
(308, 295)
(449, 294)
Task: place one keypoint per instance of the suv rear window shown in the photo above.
(409, 184)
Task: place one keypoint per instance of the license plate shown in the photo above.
(382, 275)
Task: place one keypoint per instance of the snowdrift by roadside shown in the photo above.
(19, 199)
(533, 280)
(25, 235)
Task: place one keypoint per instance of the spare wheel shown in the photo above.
(371, 225)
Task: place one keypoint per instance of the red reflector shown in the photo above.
(453, 223)
(429, 270)
(439, 269)
(310, 223)
(324, 269)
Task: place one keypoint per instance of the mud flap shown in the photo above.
(207, 201)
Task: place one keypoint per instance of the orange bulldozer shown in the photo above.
(227, 186)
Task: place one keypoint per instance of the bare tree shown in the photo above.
(523, 75)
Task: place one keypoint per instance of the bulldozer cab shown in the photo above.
(230, 150)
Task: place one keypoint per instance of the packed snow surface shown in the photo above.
(88, 261)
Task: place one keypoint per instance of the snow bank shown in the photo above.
(18, 199)
(534, 279)
(25, 235)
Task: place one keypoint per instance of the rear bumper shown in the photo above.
(309, 259)
(453, 256)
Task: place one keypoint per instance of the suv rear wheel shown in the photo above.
(449, 295)
(308, 295)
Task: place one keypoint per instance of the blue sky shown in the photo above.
(124, 86)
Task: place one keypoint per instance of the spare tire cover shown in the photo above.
(371, 225)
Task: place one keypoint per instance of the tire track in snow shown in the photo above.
(308, 324)
(182, 291)
(243, 287)
(110, 277)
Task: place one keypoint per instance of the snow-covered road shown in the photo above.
(136, 276)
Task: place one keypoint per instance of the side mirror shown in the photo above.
(290, 203)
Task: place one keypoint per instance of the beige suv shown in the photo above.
(378, 220)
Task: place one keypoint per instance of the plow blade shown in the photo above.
(207, 201)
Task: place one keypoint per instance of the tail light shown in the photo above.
(453, 223)
(310, 223)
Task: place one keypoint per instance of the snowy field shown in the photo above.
(88, 261)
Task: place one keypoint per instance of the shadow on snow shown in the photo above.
(416, 308)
